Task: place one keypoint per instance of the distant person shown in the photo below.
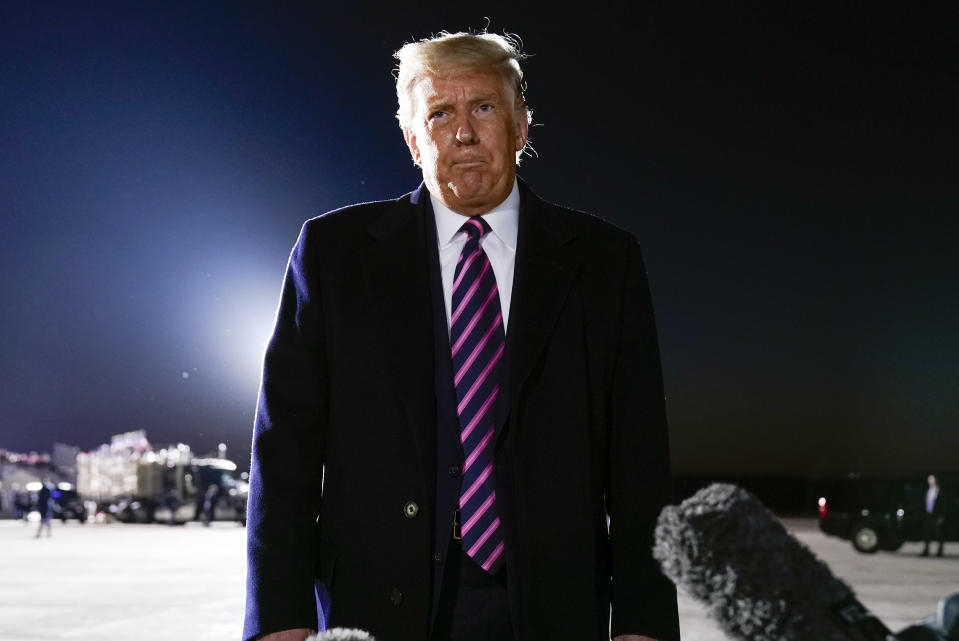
(239, 508)
(933, 519)
(45, 508)
(21, 504)
(172, 503)
(209, 503)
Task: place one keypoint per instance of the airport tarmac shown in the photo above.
(116, 582)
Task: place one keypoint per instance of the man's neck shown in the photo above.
(511, 199)
(438, 194)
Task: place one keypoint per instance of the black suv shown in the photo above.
(883, 513)
(67, 504)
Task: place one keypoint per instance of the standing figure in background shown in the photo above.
(172, 503)
(933, 520)
(209, 503)
(21, 504)
(45, 507)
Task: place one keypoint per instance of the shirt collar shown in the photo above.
(502, 219)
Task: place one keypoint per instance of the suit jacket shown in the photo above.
(343, 476)
(938, 505)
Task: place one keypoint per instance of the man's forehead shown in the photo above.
(472, 84)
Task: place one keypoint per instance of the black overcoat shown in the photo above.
(342, 477)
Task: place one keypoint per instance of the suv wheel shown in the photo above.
(865, 538)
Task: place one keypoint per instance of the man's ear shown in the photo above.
(522, 130)
(410, 139)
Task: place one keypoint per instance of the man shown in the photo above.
(463, 384)
(45, 507)
(933, 518)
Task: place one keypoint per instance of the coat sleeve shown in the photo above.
(643, 599)
(287, 456)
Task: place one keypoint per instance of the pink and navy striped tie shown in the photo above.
(477, 340)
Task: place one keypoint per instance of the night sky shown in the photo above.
(791, 175)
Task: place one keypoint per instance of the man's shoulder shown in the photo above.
(591, 227)
(358, 215)
(347, 228)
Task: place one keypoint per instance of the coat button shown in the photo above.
(411, 509)
(437, 557)
(396, 597)
(453, 470)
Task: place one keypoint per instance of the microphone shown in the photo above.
(725, 549)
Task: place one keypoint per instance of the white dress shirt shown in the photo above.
(499, 244)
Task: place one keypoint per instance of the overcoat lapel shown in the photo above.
(397, 286)
(548, 260)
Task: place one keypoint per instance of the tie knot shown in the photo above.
(475, 227)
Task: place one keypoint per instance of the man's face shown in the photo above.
(932, 480)
(464, 134)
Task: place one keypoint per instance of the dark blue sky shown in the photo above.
(791, 175)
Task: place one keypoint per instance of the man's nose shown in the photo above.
(465, 133)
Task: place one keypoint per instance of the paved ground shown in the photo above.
(151, 583)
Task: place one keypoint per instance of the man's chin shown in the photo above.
(470, 194)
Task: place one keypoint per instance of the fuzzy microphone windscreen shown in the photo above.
(342, 634)
(725, 549)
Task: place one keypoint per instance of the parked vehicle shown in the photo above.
(883, 513)
(67, 504)
(174, 494)
(134, 483)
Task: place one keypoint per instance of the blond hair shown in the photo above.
(448, 54)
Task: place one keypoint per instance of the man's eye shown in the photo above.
(486, 107)
(437, 114)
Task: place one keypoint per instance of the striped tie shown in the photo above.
(477, 340)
